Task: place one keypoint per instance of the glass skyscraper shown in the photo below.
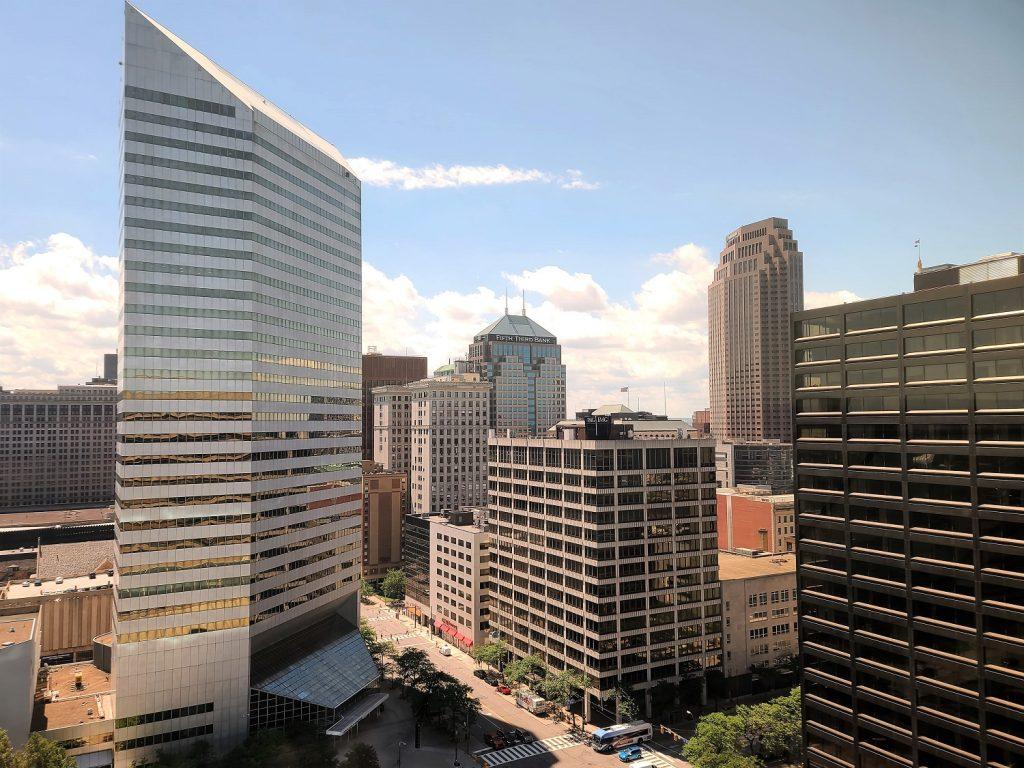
(238, 484)
(524, 363)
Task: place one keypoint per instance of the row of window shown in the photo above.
(1005, 400)
(935, 310)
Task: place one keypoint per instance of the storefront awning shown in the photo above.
(438, 624)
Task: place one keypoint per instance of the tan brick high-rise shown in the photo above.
(758, 282)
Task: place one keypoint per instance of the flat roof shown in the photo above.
(775, 498)
(75, 558)
(50, 517)
(16, 629)
(73, 705)
(732, 566)
(17, 589)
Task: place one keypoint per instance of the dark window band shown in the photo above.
(174, 100)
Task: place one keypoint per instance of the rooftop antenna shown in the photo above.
(920, 264)
(506, 300)
(524, 302)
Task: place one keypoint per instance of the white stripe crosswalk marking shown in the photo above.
(652, 756)
(520, 751)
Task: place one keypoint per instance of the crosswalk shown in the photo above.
(653, 757)
(520, 751)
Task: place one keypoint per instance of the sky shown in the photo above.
(592, 154)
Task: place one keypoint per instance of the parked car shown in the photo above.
(496, 740)
(502, 688)
(515, 736)
(480, 673)
(629, 754)
(494, 680)
(528, 738)
(446, 650)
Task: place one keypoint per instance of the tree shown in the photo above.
(491, 654)
(393, 585)
(522, 670)
(750, 737)
(366, 590)
(413, 667)
(361, 755)
(564, 688)
(7, 754)
(40, 752)
(626, 709)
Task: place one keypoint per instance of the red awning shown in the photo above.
(468, 641)
(459, 637)
(438, 624)
(448, 629)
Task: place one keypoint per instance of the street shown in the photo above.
(554, 744)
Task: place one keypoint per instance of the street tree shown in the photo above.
(40, 752)
(360, 755)
(393, 585)
(366, 590)
(565, 688)
(626, 709)
(526, 669)
(491, 654)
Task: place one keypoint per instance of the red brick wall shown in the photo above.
(748, 517)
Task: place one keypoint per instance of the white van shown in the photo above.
(531, 702)
(446, 650)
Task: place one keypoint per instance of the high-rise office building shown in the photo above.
(57, 447)
(524, 363)
(378, 371)
(909, 420)
(757, 283)
(459, 577)
(238, 497)
(416, 564)
(769, 464)
(436, 430)
(385, 505)
(604, 556)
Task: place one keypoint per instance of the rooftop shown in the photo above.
(73, 704)
(516, 325)
(731, 567)
(760, 492)
(17, 589)
(77, 558)
(16, 629)
(51, 517)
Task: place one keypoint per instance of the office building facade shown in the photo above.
(238, 504)
(604, 557)
(753, 518)
(759, 608)
(758, 282)
(460, 578)
(385, 505)
(57, 447)
(436, 430)
(378, 371)
(909, 419)
(523, 362)
(416, 563)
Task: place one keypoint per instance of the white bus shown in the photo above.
(619, 736)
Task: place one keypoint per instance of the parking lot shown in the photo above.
(549, 741)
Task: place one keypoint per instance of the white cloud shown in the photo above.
(386, 173)
(58, 312)
(58, 315)
(815, 299)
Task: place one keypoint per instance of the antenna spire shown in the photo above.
(524, 302)
(506, 300)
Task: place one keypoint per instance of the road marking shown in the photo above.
(519, 751)
(659, 760)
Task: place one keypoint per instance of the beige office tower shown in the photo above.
(436, 430)
(757, 283)
(238, 501)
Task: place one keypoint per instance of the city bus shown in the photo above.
(619, 736)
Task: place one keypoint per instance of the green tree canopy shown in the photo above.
(360, 755)
(751, 737)
(7, 754)
(40, 752)
(522, 670)
(393, 585)
(491, 654)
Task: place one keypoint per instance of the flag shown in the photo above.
(917, 243)
(624, 389)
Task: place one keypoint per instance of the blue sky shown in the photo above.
(866, 124)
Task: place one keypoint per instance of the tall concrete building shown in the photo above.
(909, 419)
(436, 430)
(757, 283)
(378, 371)
(459, 577)
(238, 497)
(604, 556)
(524, 363)
(57, 447)
(385, 506)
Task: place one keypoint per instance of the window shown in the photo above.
(995, 302)
(818, 354)
(1005, 399)
(994, 337)
(934, 342)
(818, 379)
(867, 319)
(818, 326)
(866, 376)
(933, 311)
(818, 405)
(937, 402)
(758, 633)
(999, 368)
(936, 372)
(873, 403)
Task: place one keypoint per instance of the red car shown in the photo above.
(504, 689)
